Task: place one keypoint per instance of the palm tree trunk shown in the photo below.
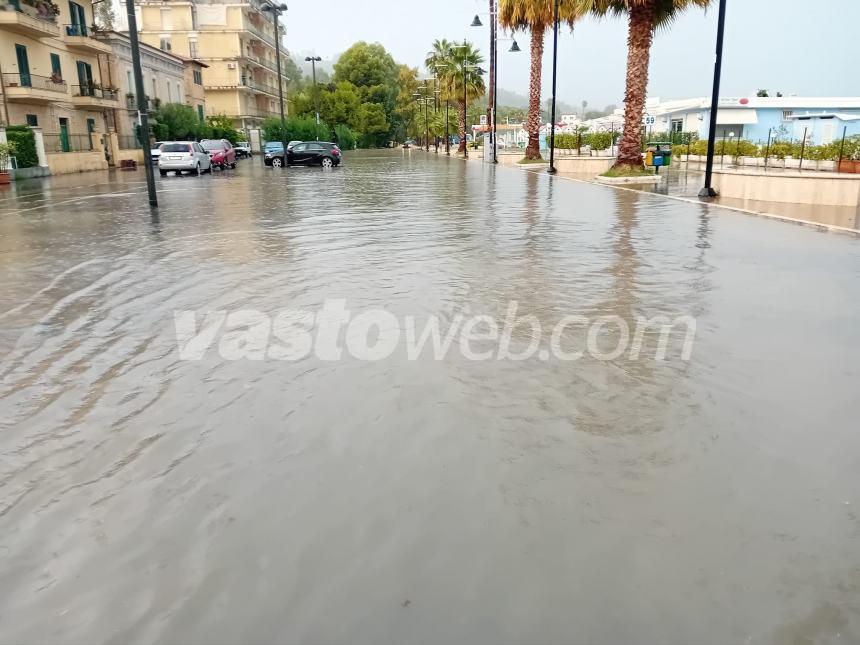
(462, 109)
(533, 122)
(639, 37)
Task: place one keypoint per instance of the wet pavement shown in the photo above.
(147, 498)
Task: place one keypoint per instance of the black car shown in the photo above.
(314, 153)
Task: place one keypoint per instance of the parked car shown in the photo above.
(273, 154)
(243, 149)
(314, 153)
(183, 155)
(221, 152)
(155, 152)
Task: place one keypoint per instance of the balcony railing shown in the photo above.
(260, 87)
(62, 142)
(95, 92)
(77, 30)
(39, 9)
(50, 83)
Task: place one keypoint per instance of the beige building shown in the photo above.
(167, 77)
(235, 38)
(51, 79)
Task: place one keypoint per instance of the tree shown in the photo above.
(644, 16)
(407, 85)
(762, 94)
(221, 127)
(180, 120)
(537, 16)
(371, 69)
(104, 16)
(340, 103)
(458, 69)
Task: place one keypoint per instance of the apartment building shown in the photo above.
(167, 78)
(234, 38)
(49, 65)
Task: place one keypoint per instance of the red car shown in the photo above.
(221, 152)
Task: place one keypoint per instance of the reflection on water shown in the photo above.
(148, 499)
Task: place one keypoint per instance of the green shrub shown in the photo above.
(565, 141)
(345, 137)
(24, 141)
(599, 140)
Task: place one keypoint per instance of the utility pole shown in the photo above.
(276, 12)
(708, 190)
(142, 107)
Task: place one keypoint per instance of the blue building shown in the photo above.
(824, 119)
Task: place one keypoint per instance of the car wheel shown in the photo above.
(233, 165)
(277, 162)
(197, 170)
(163, 173)
(327, 162)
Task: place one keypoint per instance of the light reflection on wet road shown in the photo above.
(148, 499)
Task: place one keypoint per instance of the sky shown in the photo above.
(792, 46)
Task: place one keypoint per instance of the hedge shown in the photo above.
(25, 145)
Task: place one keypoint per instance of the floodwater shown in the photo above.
(145, 498)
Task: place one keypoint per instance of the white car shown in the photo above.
(183, 155)
(155, 152)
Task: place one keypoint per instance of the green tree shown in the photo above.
(643, 18)
(221, 127)
(340, 104)
(180, 120)
(537, 16)
(374, 126)
(457, 67)
(372, 70)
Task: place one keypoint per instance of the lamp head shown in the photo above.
(515, 47)
(477, 22)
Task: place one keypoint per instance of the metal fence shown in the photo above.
(23, 79)
(57, 142)
(95, 92)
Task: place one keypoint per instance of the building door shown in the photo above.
(827, 127)
(23, 66)
(85, 78)
(79, 20)
(64, 135)
(91, 127)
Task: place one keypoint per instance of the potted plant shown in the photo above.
(6, 151)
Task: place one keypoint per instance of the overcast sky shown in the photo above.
(792, 46)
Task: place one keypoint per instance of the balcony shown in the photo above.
(79, 39)
(90, 96)
(29, 20)
(257, 86)
(30, 88)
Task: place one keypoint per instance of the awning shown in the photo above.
(736, 117)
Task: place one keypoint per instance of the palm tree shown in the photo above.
(537, 16)
(456, 65)
(644, 17)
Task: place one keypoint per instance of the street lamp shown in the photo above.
(313, 60)
(494, 73)
(276, 11)
(708, 190)
(551, 170)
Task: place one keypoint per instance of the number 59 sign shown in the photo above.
(649, 120)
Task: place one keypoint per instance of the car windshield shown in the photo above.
(213, 145)
(274, 146)
(176, 147)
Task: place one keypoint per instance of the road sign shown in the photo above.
(483, 119)
(649, 120)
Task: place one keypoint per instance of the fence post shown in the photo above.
(767, 150)
(842, 148)
(802, 148)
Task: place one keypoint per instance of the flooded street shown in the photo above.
(146, 497)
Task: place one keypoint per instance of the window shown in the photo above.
(166, 19)
(677, 125)
(787, 114)
(165, 44)
(154, 89)
(32, 120)
(192, 48)
(198, 77)
(200, 112)
(130, 78)
(169, 94)
(178, 93)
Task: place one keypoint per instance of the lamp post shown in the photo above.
(142, 108)
(494, 73)
(708, 190)
(313, 60)
(551, 170)
(276, 11)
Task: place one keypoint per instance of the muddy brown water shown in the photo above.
(145, 498)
